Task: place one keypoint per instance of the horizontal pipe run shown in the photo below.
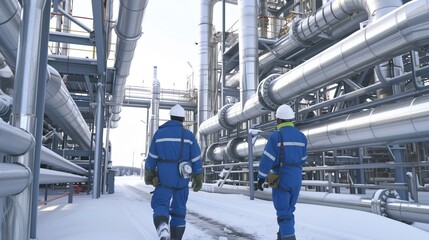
(14, 178)
(13, 140)
(51, 158)
(49, 177)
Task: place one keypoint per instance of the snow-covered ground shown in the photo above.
(127, 215)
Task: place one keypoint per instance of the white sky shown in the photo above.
(127, 214)
(170, 31)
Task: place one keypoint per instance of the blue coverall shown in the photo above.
(164, 157)
(290, 170)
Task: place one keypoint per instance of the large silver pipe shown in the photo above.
(389, 36)
(52, 159)
(248, 48)
(14, 178)
(206, 49)
(408, 118)
(154, 118)
(128, 29)
(24, 109)
(306, 32)
(60, 107)
(14, 141)
(50, 176)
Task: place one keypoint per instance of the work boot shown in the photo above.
(177, 233)
(161, 225)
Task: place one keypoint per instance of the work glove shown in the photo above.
(260, 185)
(197, 182)
(150, 178)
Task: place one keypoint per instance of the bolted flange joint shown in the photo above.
(263, 95)
(222, 115)
(379, 201)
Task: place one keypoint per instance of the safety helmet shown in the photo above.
(285, 112)
(177, 111)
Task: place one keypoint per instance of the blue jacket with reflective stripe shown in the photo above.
(295, 152)
(166, 145)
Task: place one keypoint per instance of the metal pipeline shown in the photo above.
(408, 118)
(49, 176)
(389, 36)
(14, 178)
(128, 29)
(248, 48)
(60, 106)
(154, 106)
(308, 31)
(384, 202)
(52, 159)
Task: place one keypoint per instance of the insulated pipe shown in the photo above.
(408, 118)
(383, 202)
(248, 49)
(60, 107)
(206, 49)
(52, 159)
(14, 178)
(154, 118)
(308, 31)
(385, 38)
(49, 176)
(128, 29)
(24, 109)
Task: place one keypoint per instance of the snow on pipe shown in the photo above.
(49, 176)
(305, 32)
(14, 178)
(389, 36)
(128, 29)
(60, 106)
(408, 118)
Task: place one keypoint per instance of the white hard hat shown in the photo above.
(285, 112)
(177, 111)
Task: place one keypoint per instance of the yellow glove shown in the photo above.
(150, 177)
(197, 182)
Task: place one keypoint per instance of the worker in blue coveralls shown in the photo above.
(174, 157)
(281, 163)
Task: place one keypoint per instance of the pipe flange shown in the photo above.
(293, 35)
(379, 201)
(222, 115)
(263, 95)
(231, 146)
(210, 150)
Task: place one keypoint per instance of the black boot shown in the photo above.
(161, 225)
(177, 233)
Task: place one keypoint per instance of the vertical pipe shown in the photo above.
(154, 119)
(250, 160)
(40, 112)
(98, 140)
(398, 153)
(107, 156)
(24, 111)
(263, 19)
(248, 49)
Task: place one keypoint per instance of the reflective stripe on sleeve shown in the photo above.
(153, 155)
(262, 174)
(269, 155)
(173, 140)
(196, 159)
(304, 158)
(298, 144)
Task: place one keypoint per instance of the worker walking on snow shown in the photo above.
(174, 157)
(281, 162)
